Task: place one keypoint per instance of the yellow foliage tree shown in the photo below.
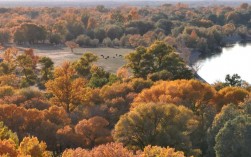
(9, 57)
(123, 73)
(228, 95)
(31, 146)
(153, 151)
(157, 124)
(6, 91)
(9, 80)
(66, 90)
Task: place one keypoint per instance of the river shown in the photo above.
(232, 60)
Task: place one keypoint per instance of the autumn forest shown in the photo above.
(155, 105)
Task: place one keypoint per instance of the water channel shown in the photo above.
(232, 60)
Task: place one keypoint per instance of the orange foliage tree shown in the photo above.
(34, 122)
(8, 65)
(116, 98)
(94, 131)
(67, 138)
(193, 94)
(190, 93)
(8, 148)
(72, 45)
(108, 150)
(123, 73)
(67, 91)
(227, 95)
(133, 14)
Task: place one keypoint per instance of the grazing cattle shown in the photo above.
(116, 54)
(120, 56)
(114, 57)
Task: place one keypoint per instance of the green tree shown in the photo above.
(85, 18)
(227, 113)
(75, 29)
(158, 60)
(25, 63)
(234, 139)
(7, 134)
(5, 36)
(83, 40)
(193, 94)
(101, 8)
(55, 38)
(99, 77)
(46, 71)
(31, 33)
(156, 124)
(114, 32)
(84, 64)
(6, 68)
(141, 25)
(140, 84)
(117, 17)
(165, 25)
(140, 62)
(46, 68)
(100, 34)
(234, 80)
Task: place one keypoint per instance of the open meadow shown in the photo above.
(112, 60)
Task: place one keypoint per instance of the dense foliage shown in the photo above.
(204, 29)
(153, 106)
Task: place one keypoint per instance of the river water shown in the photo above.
(232, 60)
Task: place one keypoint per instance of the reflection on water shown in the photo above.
(232, 60)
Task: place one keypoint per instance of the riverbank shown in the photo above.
(232, 60)
(229, 41)
(196, 58)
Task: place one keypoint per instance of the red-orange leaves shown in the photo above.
(94, 131)
(190, 93)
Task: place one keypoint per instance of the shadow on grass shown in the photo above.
(41, 47)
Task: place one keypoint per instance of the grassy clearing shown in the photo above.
(61, 54)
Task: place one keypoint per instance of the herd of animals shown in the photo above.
(107, 57)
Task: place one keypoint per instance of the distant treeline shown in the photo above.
(205, 29)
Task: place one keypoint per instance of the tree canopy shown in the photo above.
(158, 62)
